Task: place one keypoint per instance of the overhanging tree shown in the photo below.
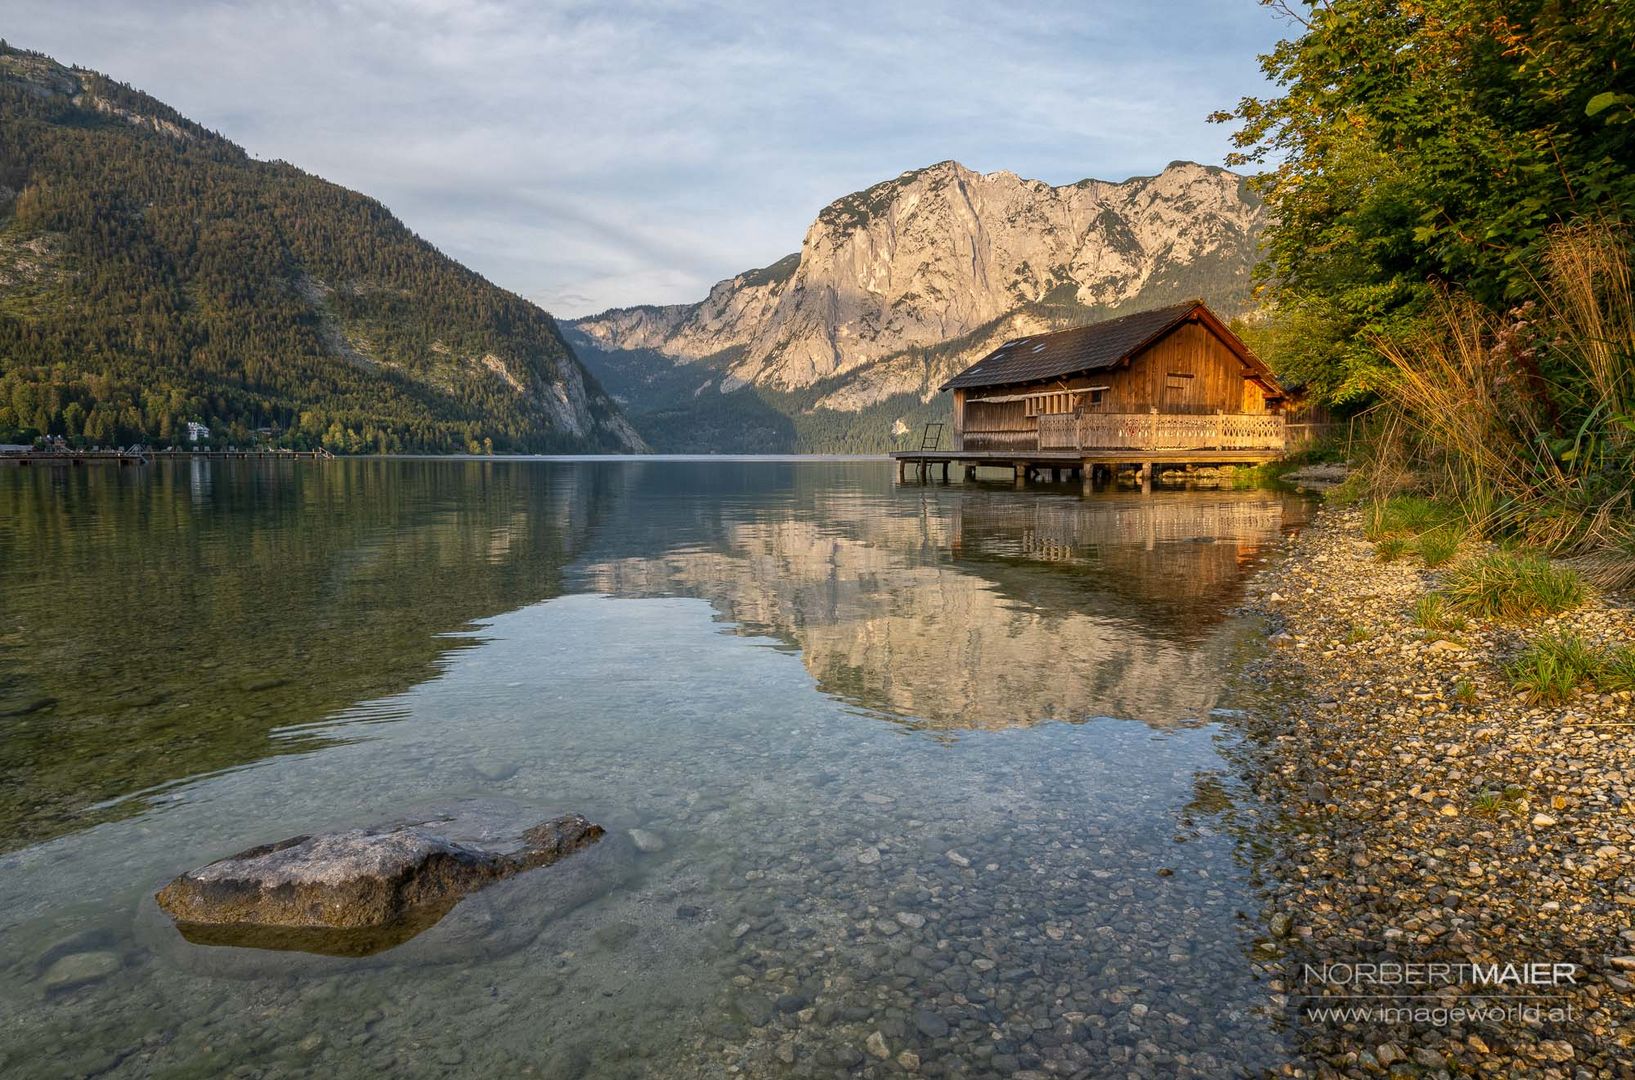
(1418, 143)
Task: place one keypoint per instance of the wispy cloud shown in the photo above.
(589, 154)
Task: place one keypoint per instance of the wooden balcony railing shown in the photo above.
(1139, 431)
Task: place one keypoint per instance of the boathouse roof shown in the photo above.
(1096, 347)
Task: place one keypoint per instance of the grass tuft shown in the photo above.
(1553, 667)
(1390, 549)
(1491, 802)
(1617, 669)
(1406, 515)
(1505, 585)
(1405, 523)
(1438, 546)
(1433, 611)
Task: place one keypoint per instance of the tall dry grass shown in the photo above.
(1526, 420)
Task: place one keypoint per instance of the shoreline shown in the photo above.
(1430, 814)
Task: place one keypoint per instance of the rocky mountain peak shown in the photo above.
(945, 254)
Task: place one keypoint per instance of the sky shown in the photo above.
(606, 153)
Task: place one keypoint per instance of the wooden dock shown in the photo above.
(138, 455)
(74, 458)
(242, 455)
(1056, 466)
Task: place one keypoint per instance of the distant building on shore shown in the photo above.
(197, 432)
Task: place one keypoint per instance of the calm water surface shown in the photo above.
(941, 763)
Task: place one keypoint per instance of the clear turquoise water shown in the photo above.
(811, 684)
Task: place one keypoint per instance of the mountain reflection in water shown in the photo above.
(970, 607)
(165, 623)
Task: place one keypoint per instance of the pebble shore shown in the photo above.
(1432, 814)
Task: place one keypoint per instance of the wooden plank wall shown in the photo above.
(998, 425)
(1217, 383)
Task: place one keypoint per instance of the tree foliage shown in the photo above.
(1423, 143)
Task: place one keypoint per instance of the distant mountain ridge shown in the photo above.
(900, 285)
(151, 272)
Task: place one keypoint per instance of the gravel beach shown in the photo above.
(1431, 815)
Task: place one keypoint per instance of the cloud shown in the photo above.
(591, 154)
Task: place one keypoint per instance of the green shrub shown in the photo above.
(1350, 491)
(1552, 668)
(1251, 477)
(1505, 585)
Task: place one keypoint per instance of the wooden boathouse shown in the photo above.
(1172, 386)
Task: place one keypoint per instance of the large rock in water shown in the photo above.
(362, 890)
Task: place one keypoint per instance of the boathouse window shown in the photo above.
(1050, 404)
(1097, 395)
(1178, 381)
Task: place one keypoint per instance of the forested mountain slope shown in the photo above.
(151, 272)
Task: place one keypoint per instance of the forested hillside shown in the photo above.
(152, 273)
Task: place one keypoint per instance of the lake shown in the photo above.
(949, 765)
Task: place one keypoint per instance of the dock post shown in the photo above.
(970, 474)
(1147, 469)
(902, 469)
(1021, 472)
(945, 472)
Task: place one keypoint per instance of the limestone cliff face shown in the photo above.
(953, 261)
(993, 635)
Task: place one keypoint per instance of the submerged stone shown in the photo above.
(647, 841)
(930, 1024)
(76, 969)
(363, 890)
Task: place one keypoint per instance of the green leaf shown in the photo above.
(1601, 102)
